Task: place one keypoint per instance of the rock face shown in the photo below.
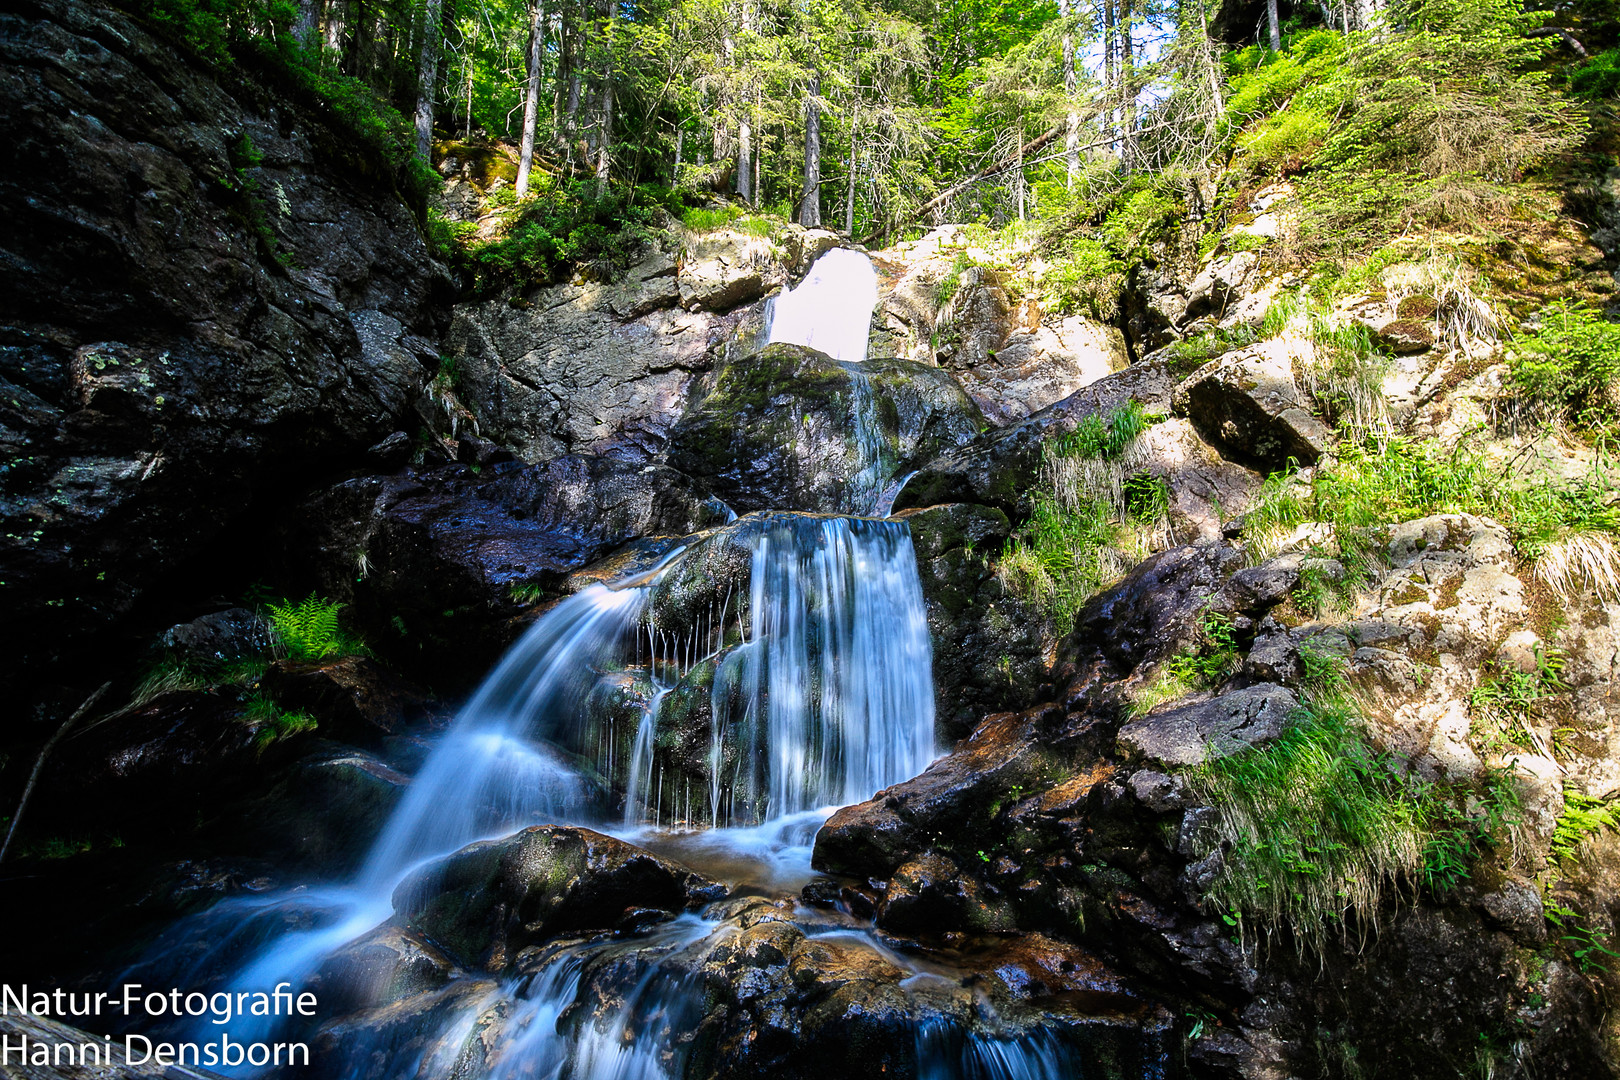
(1226, 725)
(789, 428)
(162, 358)
(434, 562)
(1248, 404)
(588, 368)
(1034, 368)
(488, 901)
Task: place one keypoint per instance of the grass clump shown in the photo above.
(309, 629)
(709, 218)
(1094, 514)
(1322, 827)
(1506, 703)
(1205, 664)
(273, 722)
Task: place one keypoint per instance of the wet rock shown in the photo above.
(491, 899)
(379, 968)
(1155, 611)
(326, 812)
(221, 636)
(789, 428)
(1515, 906)
(1225, 725)
(1275, 658)
(1247, 404)
(357, 699)
(159, 350)
(1255, 590)
(434, 563)
(873, 839)
(930, 893)
(989, 647)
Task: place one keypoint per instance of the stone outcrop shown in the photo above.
(789, 428)
(201, 296)
(1249, 406)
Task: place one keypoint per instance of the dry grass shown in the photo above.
(1581, 561)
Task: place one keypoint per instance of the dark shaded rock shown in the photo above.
(1405, 337)
(392, 452)
(990, 647)
(1255, 590)
(378, 969)
(435, 563)
(1156, 791)
(224, 635)
(931, 894)
(490, 900)
(326, 813)
(874, 838)
(1248, 405)
(1274, 658)
(999, 468)
(162, 366)
(356, 698)
(1220, 727)
(789, 428)
(1154, 303)
(1218, 284)
(1153, 612)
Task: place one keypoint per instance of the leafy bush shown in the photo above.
(309, 629)
(1599, 77)
(562, 223)
(1083, 275)
(1570, 364)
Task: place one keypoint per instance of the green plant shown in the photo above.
(1583, 817)
(526, 592)
(273, 722)
(309, 629)
(1101, 437)
(1599, 77)
(1504, 703)
(709, 218)
(1570, 364)
(1588, 947)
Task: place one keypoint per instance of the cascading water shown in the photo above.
(831, 309)
(819, 693)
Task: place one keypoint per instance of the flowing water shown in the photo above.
(831, 309)
(811, 683)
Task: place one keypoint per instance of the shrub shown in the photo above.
(563, 223)
(1570, 364)
(1599, 77)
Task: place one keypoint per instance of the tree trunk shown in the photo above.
(427, 73)
(1108, 67)
(335, 19)
(1071, 137)
(1275, 24)
(304, 28)
(810, 208)
(531, 101)
(680, 140)
(849, 201)
(1127, 85)
(604, 153)
(745, 161)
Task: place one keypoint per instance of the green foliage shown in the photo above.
(1587, 946)
(1583, 817)
(273, 722)
(564, 223)
(1083, 275)
(1599, 77)
(1506, 701)
(309, 629)
(950, 283)
(1570, 364)
(1322, 825)
(1101, 437)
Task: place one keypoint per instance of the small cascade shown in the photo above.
(831, 309)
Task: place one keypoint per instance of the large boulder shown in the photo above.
(202, 295)
(1206, 730)
(1248, 405)
(1038, 366)
(999, 468)
(489, 900)
(789, 428)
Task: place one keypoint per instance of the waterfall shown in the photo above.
(831, 309)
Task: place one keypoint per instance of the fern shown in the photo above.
(309, 629)
(1582, 817)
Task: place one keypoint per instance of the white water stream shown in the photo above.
(831, 309)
